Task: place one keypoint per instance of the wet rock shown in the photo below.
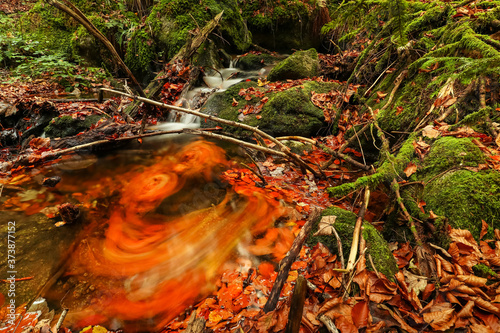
(299, 65)
(68, 126)
(252, 61)
(9, 137)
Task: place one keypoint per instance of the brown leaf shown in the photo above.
(484, 229)
(325, 226)
(466, 311)
(440, 320)
(235, 102)
(381, 94)
(485, 305)
(410, 169)
(472, 280)
(449, 102)
(430, 132)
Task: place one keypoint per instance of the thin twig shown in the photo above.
(339, 246)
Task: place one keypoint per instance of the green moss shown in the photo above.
(377, 247)
(140, 52)
(391, 167)
(449, 152)
(299, 65)
(483, 271)
(465, 198)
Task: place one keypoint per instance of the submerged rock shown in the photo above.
(299, 65)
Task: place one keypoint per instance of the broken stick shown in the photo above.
(288, 260)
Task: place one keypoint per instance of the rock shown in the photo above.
(456, 190)
(68, 126)
(252, 61)
(299, 65)
(344, 224)
(288, 112)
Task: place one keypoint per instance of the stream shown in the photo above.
(155, 223)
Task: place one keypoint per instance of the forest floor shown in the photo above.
(454, 297)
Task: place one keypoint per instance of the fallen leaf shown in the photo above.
(440, 320)
(430, 132)
(325, 226)
(360, 314)
(410, 169)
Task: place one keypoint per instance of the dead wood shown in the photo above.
(289, 259)
(186, 52)
(297, 306)
(196, 324)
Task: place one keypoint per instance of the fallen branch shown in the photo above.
(235, 141)
(328, 322)
(289, 259)
(75, 13)
(293, 157)
(155, 86)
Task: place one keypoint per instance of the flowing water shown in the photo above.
(157, 223)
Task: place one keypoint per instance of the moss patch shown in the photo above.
(299, 65)
(465, 198)
(377, 247)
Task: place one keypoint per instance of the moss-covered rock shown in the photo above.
(289, 112)
(449, 152)
(68, 126)
(377, 247)
(252, 61)
(466, 198)
(299, 65)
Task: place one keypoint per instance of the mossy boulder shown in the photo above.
(68, 126)
(466, 198)
(455, 189)
(252, 61)
(288, 112)
(299, 65)
(377, 247)
(172, 23)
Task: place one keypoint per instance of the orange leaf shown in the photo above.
(399, 109)
(484, 229)
(410, 169)
(360, 314)
(266, 269)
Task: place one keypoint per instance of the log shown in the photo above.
(187, 51)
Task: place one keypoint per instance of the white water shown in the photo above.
(217, 82)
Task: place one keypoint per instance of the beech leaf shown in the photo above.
(325, 226)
